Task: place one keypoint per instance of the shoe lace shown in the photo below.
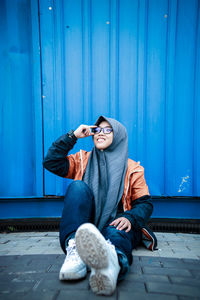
(72, 253)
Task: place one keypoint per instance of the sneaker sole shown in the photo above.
(101, 284)
(91, 246)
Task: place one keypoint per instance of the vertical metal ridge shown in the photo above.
(42, 91)
(63, 29)
(137, 76)
(86, 97)
(175, 55)
(91, 56)
(145, 78)
(57, 92)
(109, 59)
(64, 61)
(113, 59)
(169, 86)
(196, 128)
(63, 64)
(140, 79)
(175, 42)
(166, 99)
(83, 59)
(117, 58)
(174, 72)
(53, 50)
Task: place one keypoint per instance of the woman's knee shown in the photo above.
(112, 231)
(78, 186)
(80, 192)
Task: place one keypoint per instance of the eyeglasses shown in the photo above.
(106, 130)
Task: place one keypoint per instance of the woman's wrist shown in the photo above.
(72, 135)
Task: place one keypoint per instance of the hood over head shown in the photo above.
(119, 132)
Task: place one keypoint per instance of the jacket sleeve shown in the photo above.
(56, 160)
(139, 187)
(140, 213)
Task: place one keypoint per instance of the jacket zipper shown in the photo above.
(81, 163)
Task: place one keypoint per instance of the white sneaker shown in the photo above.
(73, 266)
(101, 256)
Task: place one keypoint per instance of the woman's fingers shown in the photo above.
(84, 131)
(121, 224)
(125, 225)
(128, 229)
(90, 131)
(115, 222)
(87, 131)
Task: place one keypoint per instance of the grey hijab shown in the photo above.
(105, 173)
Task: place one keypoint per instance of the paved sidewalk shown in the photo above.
(30, 263)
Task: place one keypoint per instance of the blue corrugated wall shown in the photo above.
(20, 95)
(64, 63)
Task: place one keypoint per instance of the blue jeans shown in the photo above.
(79, 208)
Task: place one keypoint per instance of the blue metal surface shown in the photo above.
(21, 117)
(64, 63)
(137, 61)
(30, 208)
(183, 208)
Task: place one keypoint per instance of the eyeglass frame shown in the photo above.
(102, 129)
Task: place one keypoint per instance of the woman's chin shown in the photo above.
(101, 146)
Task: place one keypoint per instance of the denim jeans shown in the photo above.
(79, 208)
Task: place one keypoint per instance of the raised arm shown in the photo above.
(56, 160)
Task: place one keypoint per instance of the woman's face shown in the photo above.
(101, 140)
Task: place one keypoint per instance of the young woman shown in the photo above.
(106, 207)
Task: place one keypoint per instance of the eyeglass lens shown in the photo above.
(106, 130)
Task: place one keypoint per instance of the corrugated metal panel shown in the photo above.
(21, 114)
(137, 61)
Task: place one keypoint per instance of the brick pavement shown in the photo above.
(30, 263)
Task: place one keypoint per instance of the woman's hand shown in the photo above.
(84, 131)
(122, 223)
